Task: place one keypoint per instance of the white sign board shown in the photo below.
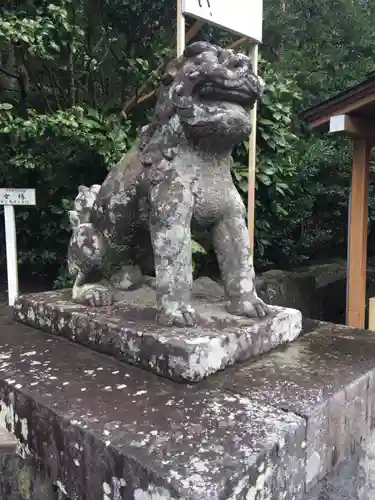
(14, 196)
(10, 197)
(243, 17)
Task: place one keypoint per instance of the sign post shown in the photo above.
(180, 30)
(9, 198)
(243, 18)
(252, 159)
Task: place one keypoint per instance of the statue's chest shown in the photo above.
(210, 182)
(211, 197)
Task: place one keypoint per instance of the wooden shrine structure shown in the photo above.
(352, 113)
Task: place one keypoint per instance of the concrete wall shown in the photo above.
(24, 479)
(318, 290)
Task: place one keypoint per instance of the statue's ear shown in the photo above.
(170, 72)
(82, 189)
(95, 188)
(73, 219)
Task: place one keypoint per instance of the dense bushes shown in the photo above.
(55, 153)
(68, 70)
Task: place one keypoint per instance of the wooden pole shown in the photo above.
(371, 314)
(357, 264)
(252, 158)
(180, 30)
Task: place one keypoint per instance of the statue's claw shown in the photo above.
(184, 316)
(93, 295)
(252, 307)
(101, 296)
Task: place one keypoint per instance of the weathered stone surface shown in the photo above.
(8, 456)
(105, 430)
(175, 185)
(318, 290)
(353, 479)
(129, 331)
(23, 478)
(290, 289)
(327, 377)
(8, 443)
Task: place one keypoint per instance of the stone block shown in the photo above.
(327, 377)
(129, 331)
(353, 479)
(23, 478)
(107, 430)
(296, 290)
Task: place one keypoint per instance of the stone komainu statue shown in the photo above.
(175, 184)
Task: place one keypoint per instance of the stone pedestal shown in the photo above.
(270, 428)
(129, 332)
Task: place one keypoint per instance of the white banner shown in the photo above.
(243, 17)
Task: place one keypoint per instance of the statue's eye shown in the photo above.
(239, 62)
(205, 57)
(198, 48)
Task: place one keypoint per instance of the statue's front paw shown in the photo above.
(182, 316)
(94, 295)
(251, 307)
(101, 296)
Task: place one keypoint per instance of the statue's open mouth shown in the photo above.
(237, 92)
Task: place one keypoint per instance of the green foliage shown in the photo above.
(276, 165)
(326, 46)
(43, 34)
(314, 222)
(52, 138)
(55, 153)
(106, 133)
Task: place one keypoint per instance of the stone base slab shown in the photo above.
(129, 332)
(105, 430)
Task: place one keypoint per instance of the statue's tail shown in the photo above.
(83, 204)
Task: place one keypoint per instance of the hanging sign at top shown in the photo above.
(243, 17)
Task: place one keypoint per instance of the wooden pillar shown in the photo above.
(358, 217)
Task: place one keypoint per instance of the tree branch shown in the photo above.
(9, 73)
(193, 31)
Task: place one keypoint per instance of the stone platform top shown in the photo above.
(129, 332)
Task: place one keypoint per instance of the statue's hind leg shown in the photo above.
(87, 249)
(128, 277)
(91, 294)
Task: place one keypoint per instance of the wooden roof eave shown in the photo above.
(346, 102)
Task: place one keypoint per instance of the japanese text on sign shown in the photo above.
(244, 17)
(14, 196)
